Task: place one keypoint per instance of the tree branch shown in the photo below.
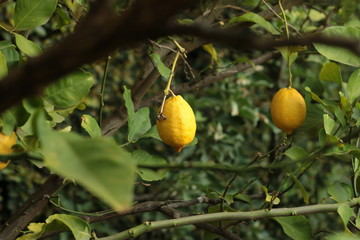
(171, 212)
(222, 216)
(32, 207)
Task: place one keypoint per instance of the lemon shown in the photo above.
(6, 143)
(177, 127)
(288, 109)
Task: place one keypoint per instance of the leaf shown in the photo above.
(146, 174)
(69, 90)
(80, 229)
(287, 54)
(330, 72)
(30, 14)
(26, 46)
(304, 193)
(296, 153)
(9, 51)
(163, 70)
(212, 51)
(139, 122)
(255, 18)
(342, 236)
(296, 227)
(153, 133)
(329, 124)
(340, 192)
(90, 125)
(345, 104)
(353, 87)
(338, 54)
(3, 66)
(103, 168)
(345, 213)
(16, 116)
(318, 99)
(139, 125)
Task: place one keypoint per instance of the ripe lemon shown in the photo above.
(6, 143)
(288, 109)
(177, 127)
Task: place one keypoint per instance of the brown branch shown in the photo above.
(32, 207)
(101, 32)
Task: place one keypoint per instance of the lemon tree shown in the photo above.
(179, 119)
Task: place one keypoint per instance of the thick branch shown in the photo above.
(171, 212)
(222, 216)
(32, 207)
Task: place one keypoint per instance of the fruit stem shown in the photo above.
(288, 48)
(103, 83)
(167, 89)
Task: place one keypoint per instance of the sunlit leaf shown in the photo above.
(257, 19)
(353, 87)
(338, 54)
(345, 213)
(329, 124)
(69, 90)
(98, 164)
(26, 46)
(80, 229)
(30, 14)
(330, 72)
(163, 70)
(90, 125)
(296, 153)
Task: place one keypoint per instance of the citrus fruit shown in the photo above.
(176, 125)
(6, 143)
(288, 109)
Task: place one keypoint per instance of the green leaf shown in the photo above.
(353, 87)
(342, 236)
(30, 14)
(146, 174)
(340, 192)
(296, 227)
(340, 116)
(212, 51)
(304, 193)
(80, 229)
(99, 165)
(329, 124)
(26, 46)
(255, 18)
(9, 51)
(296, 153)
(345, 104)
(138, 122)
(139, 125)
(345, 213)
(3, 66)
(318, 99)
(90, 125)
(331, 72)
(16, 116)
(153, 133)
(163, 70)
(338, 54)
(69, 90)
(287, 54)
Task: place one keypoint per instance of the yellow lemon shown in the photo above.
(288, 109)
(177, 127)
(6, 143)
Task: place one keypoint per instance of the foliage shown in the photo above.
(239, 162)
